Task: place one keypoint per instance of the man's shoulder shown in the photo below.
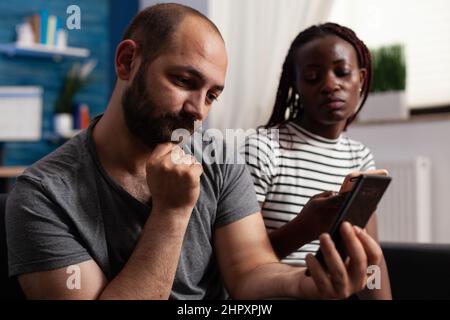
(62, 163)
(56, 183)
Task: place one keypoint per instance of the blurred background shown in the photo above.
(56, 72)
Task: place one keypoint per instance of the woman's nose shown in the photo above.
(331, 83)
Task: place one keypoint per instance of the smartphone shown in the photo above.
(357, 206)
(349, 181)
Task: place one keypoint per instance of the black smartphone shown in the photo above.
(357, 207)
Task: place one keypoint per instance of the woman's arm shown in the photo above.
(315, 218)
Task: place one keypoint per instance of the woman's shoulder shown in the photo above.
(345, 140)
(355, 146)
(264, 137)
(262, 143)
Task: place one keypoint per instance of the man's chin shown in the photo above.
(181, 135)
(177, 137)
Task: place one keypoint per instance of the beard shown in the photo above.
(140, 113)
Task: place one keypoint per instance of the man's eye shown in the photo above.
(211, 98)
(182, 81)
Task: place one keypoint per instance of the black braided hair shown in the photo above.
(287, 98)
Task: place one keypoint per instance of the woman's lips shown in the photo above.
(334, 104)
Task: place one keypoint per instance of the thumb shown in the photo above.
(324, 194)
(334, 200)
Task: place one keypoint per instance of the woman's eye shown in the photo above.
(312, 76)
(343, 73)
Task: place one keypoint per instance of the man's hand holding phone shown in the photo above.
(335, 278)
(358, 205)
(361, 192)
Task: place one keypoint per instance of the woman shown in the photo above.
(324, 83)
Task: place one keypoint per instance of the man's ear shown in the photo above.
(126, 58)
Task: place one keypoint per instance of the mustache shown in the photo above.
(168, 123)
(163, 127)
(180, 121)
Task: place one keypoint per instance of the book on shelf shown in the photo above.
(47, 29)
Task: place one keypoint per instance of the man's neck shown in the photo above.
(119, 152)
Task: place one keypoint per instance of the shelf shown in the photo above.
(411, 119)
(54, 137)
(11, 172)
(43, 51)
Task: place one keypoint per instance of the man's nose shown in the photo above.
(196, 106)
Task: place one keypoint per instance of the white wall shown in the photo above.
(410, 139)
(200, 5)
(421, 26)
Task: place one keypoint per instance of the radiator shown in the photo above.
(404, 213)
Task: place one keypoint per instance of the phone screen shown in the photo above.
(358, 206)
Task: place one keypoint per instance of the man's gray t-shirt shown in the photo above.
(65, 209)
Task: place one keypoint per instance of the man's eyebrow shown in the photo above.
(194, 72)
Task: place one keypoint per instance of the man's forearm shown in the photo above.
(272, 280)
(150, 271)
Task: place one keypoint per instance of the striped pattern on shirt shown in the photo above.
(291, 167)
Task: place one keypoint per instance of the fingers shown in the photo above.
(328, 199)
(324, 194)
(170, 156)
(357, 267)
(197, 168)
(336, 267)
(371, 247)
(163, 149)
(178, 156)
(341, 279)
(334, 201)
(320, 277)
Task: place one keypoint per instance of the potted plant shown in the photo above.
(74, 81)
(387, 98)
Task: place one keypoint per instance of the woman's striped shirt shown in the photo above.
(291, 166)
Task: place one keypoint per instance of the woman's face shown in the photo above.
(328, 80)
